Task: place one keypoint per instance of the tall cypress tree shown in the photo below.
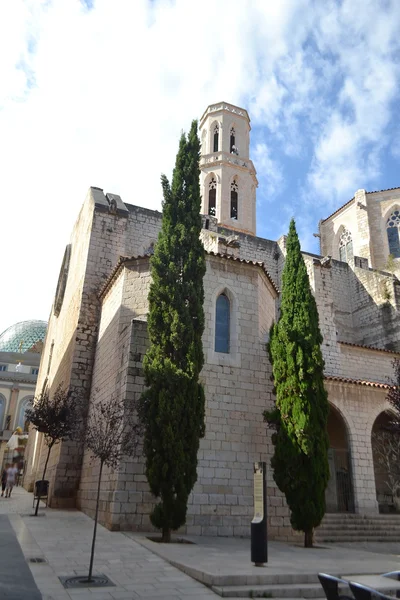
(172, 408)
(300, 461)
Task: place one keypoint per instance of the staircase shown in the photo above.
(288, 586)
(291, 587)
(347, 527)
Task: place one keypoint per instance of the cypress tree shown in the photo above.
(172, 407)
(300, 461)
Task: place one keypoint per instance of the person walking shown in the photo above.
(3, 480)
(11, 475)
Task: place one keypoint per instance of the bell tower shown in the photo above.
(228, 178)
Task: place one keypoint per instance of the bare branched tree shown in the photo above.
(112, 432)
(393, 397)
(58, 418)
(386, 444)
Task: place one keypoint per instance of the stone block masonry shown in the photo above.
(237, 387)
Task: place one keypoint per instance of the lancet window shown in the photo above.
(216, 138)
(393, 233)
(222, 324)
(232, 142)
(346, 246)
(234, 199)
(212, 197)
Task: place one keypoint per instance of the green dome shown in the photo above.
(22, 336)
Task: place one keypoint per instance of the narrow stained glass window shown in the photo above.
(222, 324)
(393, 233)
(346, 246)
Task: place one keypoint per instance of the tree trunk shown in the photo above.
(166, 535)
(43, 476)
(95, 524)
(308, 538)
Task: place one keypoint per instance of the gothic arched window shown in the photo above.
(232, 143)
(2, 409)
(393, 233)
(345, 246)
(22, 422)
(234, 199)
(216, 138)
(222, 324)
(212, 197)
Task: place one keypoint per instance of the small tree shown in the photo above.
(57, 417)
(393, 397)
(300, 461)
(386, 448)
(172, 408)
(112, 431)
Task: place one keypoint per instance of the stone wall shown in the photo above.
(238, 389)
(365, 217)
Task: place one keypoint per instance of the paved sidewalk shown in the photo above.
(19, 503)
(226, 561)
(63, 539)
(142, 569)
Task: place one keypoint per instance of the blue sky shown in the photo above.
(96, 92)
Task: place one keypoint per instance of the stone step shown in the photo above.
(356, 538)
(356, 517)
(266, 579)
(287, 591)
(292, 591)
(359, 527)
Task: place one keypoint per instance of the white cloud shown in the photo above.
(99, 97)
(347, 150)
(269, 171)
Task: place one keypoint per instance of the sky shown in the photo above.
(97, 92)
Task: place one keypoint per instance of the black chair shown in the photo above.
(363, 592)
(330, 585)
(42, 486)
(393, 575)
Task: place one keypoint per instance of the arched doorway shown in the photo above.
(386, 454)
(339, 492)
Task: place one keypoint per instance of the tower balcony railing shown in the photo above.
(234, 159)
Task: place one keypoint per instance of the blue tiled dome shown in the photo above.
(22, 336)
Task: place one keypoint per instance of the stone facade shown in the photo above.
(97, 338)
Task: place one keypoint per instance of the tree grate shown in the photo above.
(81, 581)
(37, 560)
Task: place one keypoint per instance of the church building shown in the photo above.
(97, 338)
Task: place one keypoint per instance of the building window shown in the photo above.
(234, 199)
(216, 138)
(22, 422)
(222, 324)
(212, 197)
(2, 409)
(232, 143)
(345, 246)
(3, 367)
(35, 371)
(393, 233)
